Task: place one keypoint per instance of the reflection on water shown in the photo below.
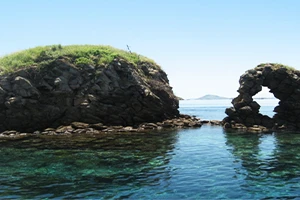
(84, 166)
(270, 163)
(205, 163)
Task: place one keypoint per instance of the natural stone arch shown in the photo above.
(283, 82)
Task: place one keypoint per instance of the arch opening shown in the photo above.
(267, 102)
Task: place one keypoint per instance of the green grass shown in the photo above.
(277, 66)
(79, 54)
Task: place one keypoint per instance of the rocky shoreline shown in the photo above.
(183, 121)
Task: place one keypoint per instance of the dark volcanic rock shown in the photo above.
(283, 82)
(61, 93)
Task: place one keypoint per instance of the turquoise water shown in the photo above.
(202, 163)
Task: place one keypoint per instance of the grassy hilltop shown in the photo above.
(97, 55)
(276, 66)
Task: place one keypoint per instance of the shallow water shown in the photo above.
(202, 163)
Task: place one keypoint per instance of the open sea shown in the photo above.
(197, 163)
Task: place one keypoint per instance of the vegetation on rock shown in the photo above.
(97, 55)
(276, 66)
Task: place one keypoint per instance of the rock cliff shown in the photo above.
(283, 82)
(63, 90)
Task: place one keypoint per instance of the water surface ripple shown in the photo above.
(202, 163)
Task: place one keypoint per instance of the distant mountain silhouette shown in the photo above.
(211, 97)
(264, 98)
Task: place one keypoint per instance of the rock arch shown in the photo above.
(283, 82)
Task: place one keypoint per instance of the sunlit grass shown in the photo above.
(277, 66)
(79, 54)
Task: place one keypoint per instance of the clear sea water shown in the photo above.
(200, 163)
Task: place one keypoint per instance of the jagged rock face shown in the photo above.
(284, 83)
(61, 93)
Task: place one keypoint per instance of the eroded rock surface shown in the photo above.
(283, 82)
(61, 93)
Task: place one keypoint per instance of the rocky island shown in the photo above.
(283, 82)
(59, 89)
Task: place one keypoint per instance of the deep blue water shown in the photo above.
(202, 163)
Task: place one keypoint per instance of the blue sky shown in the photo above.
(203, 45)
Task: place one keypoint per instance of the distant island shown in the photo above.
(216, 97)
(211, 97)
(264, 98)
